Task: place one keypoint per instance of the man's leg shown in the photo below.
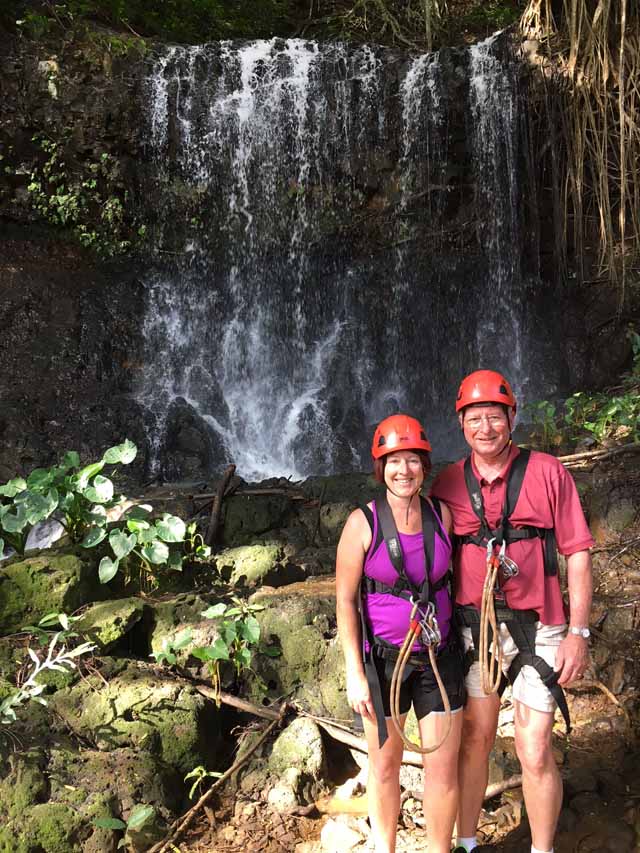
(383, 785)
(541, 783)
(440, 800)
(478, 736)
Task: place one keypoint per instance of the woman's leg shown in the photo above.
(440, 800)
(383, 785)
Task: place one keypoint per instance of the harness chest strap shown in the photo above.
(505, 531)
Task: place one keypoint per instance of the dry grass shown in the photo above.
(594, 104)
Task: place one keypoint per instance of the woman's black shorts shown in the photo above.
(420, 688)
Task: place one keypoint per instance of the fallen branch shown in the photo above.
(501, 787)
(273, 490)
(181, 824)
(597, 455)
(212, 529)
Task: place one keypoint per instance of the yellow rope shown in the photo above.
(490, 658)
(396, 683)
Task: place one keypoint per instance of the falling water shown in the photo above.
(307, 281)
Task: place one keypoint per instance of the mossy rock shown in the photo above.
(299, 624)
(247, 516)
(169, 618)
(352, 489)
(258, 565)
(23, 784)
(53, 828)
(141, 710)
(332, 519)
(52, 581)
(300, 745)
(108, 621)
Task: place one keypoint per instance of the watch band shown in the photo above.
(585, 633)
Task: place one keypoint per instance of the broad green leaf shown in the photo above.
(137, 526)
(100, 491)
(107, 569)
(139, 816)
(171, 528)
(270, 651)
(13, 487)
(39, 507)
(122, 453)
(229, 632)
(83, 477)
(121, 543)
(15, 522)
(97, 514)
(233, 611)
(71, 459)
(155, 552)
(215, 611)
(183, 639)
(146, 535)
(40, 478)
(250, 629)
(217, 651)
(109, 823)
(242, 657)
(203, 552)
(94, 536)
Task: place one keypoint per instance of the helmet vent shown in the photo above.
(503, 390)
(422, 435)
(382, 441)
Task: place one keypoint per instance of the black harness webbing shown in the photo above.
(521, 624)
(505, 531)
(402, 588)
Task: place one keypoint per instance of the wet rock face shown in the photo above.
(69, 342)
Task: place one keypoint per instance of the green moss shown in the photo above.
(53, 581)
(107, 622)
(11, 843)
(53, 827)
(24, 786)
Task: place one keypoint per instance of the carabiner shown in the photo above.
(490, 547)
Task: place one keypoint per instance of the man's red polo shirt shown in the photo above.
(548, 498)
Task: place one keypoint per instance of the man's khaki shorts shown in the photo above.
(528, 688)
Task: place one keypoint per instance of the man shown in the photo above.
(511, 509)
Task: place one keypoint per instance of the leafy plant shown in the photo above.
(140, 815)
(199, 774)
(49, 624)
(62, 660)
(167, 653)
(544, 416)
(84, 502)
(238, 640)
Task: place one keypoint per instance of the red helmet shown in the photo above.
(398, 432)
(485, 386)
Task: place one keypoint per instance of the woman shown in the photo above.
(377, 585)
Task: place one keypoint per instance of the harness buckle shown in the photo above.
(430, 630)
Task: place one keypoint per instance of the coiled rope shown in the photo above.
(415, 631)
(490, 651)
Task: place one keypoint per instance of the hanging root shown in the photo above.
(594, 46)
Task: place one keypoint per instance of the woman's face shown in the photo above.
(403, 473)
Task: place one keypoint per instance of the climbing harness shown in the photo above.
(423, 624)
(505, 532)
(521, 624)
(425, 629)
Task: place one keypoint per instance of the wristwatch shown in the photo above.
(585, 633)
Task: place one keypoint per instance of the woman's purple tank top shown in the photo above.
(388, 615)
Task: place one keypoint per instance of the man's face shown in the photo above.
(486, 429)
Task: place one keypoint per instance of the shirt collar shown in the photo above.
(514, 450)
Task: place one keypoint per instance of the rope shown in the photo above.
(490, 658)
(396, 683)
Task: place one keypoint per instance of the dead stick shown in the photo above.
(179, 825)
(289, 493)
(501, 787)
(600, 454)
(212, 529)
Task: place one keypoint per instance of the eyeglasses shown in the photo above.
(476, 421)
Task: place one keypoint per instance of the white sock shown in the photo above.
(535, 850)
(468, 843)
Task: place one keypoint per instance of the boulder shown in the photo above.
(55, 581)
(248, 516)
(300, 621)
(141, 710)
(107, 622)
(257, 565)
(53, 807)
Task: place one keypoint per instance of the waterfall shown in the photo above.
(315, 264)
